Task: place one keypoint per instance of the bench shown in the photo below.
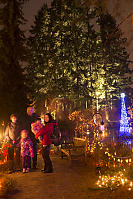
(75, 150)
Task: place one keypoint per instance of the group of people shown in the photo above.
(23, 136)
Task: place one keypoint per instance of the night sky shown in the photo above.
(30, 10)
(118, 8)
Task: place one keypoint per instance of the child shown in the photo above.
(36, 127)
(26, 150)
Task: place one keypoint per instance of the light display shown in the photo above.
(84, 122)
(124, 124)
(115, 181)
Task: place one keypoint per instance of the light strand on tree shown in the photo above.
(124, 124)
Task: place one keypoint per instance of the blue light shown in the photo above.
(124, 125)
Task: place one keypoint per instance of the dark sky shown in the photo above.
(30, 10)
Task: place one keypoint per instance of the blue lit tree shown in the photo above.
(124, 124)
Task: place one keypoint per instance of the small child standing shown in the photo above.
(36, 127)
(26, 150)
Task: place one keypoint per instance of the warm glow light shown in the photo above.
(113, 182)
(131, 184)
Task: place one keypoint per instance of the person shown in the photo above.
(26, 146)
(12, 136)
(36, 127)
(46, 132)
(29, 119)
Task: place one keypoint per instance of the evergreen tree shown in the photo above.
(63, 66)
(70, 59)
(12, 54)
(113, 59)
(39, 52)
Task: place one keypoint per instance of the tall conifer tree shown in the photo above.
(68, 56)
(12, 53)
(60, 51)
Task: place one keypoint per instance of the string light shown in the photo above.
(124, 125)
(115, 181)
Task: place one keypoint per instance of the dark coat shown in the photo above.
(27, 121)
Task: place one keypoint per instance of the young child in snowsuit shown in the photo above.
(36, 127)
(26, 150)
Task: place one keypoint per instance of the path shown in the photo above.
(65, 183)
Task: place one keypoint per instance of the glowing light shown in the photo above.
(122, 181)
(126, 160)
(122, 94)
(124, 125)
(113, 182)
(131, 184)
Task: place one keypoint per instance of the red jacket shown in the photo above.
(46, 132)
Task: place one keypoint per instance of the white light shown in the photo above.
(122, 94)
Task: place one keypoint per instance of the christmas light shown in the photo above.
(124, 125)
(115, 181)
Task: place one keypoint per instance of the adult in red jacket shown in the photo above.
(46, 132)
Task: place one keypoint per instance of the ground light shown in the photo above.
(115, 181)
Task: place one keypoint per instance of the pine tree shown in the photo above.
(12, 53)
(113, 58)
(63, 66)
(39, 48)
(69, 57)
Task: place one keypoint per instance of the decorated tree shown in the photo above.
(124, 124)
(69, 57)
(60, 52)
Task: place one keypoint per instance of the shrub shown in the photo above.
(7, 185)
